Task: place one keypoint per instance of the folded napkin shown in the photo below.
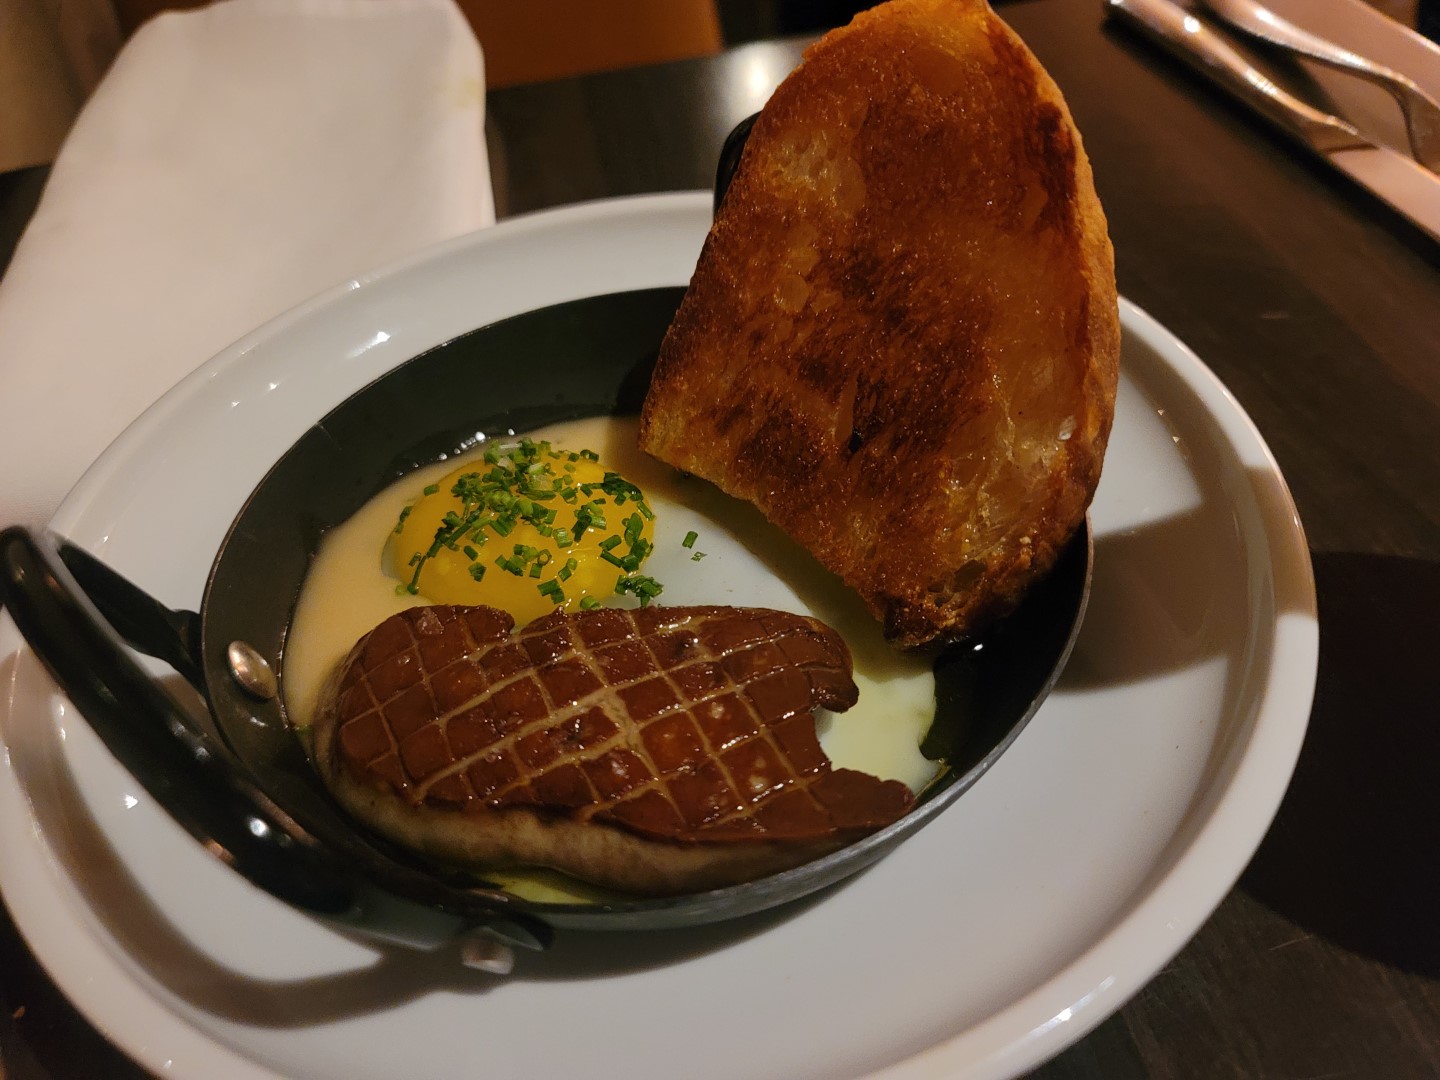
(234, 161)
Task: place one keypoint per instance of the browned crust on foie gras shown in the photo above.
(656, 751)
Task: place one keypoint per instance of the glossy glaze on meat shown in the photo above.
(675, 724)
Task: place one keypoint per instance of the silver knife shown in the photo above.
(1393, 177)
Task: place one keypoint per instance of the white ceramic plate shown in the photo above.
(1000, 933)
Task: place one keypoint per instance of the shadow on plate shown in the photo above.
(1146, 618)
(1352, 853)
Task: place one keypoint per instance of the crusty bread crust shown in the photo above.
(901, 341)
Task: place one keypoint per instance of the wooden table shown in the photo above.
(1321, 311)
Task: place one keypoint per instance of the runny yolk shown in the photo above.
(527, 529)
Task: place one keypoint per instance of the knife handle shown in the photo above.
(1191, 40)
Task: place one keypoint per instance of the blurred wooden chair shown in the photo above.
(533, 40)
(51, 57)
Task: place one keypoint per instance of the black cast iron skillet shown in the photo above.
(242, 784)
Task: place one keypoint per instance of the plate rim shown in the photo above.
(1003, 1043)
(1247, 806)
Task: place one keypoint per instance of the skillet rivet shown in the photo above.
(251, 671)
(483, 952)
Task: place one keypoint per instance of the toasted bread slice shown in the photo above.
(901, 341)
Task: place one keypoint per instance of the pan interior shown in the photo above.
(582, 358)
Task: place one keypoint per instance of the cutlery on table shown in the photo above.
(1391, 176)
(1421, 111)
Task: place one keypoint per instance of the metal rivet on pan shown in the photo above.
(483, 952)
(251, 671)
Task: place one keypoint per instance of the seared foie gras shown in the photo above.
(660, 750)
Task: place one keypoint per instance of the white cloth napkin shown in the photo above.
(235, 160)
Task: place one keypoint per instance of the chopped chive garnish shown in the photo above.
(588, 603)
(510, 487)
(640, 586)
(690, 539)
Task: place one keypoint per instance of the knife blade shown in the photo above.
(1392, 177)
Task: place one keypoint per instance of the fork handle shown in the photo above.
(1260, 22)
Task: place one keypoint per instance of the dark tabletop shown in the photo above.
(1321, 311)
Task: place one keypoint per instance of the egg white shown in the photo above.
(746, 562)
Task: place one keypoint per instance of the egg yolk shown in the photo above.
(528, 529)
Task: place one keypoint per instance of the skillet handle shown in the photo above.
(195, 781)
(151, 735)
(729, 161)
(141, 620)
